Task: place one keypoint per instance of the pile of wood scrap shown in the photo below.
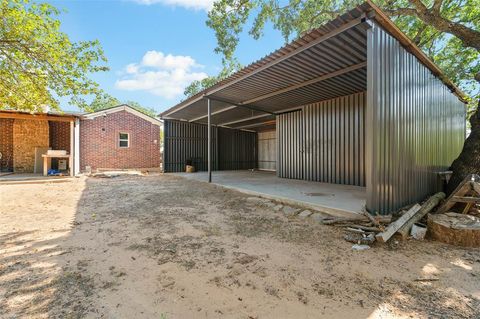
(370, 223)
(403, 225)
(365, 229)
(360, 229)
(444, 225)
(452, 227)
(467, 193)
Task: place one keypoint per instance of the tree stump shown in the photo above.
(455, 229)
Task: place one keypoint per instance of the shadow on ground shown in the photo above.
(162, 246)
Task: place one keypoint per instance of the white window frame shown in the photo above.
(123, 140)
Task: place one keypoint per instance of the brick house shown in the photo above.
(119, 138)
(116, 138)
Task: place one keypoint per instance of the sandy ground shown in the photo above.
(164, 247)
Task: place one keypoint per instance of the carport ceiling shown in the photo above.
(324, 63)
(328, 62)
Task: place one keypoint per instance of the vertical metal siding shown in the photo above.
(289, 144)
(236, 149)
(415, 126)
(324, 141)
(233, 149)
(267, 150)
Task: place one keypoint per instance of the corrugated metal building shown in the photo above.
(353, 102)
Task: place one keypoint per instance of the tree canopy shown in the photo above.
(104, 101)
(229, 68)
(447, 30)
(40, 64)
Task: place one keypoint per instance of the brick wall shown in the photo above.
(28, 134)
(99, 142)
(59, 135)
(59, 138)
(6, 145)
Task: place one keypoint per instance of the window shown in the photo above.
(123, 140)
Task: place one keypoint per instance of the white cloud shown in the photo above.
(188, 4)
(132, 68)
(160, 74)
(160, 60)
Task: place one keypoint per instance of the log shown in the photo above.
(355, 230)
(431, 203)
(365, 228)
(455, 229)
(396, 225)
(373, 220)
(427, 279)
(360, 218)
(342, 220)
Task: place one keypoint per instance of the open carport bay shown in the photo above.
(333, 199)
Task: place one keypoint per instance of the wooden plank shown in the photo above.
(364, 228)
(55, 156)
(464, 199)
(463, 188)
(25, 116)
(476, 187)
(396, 225)
(467, 208)
(431, 203)
(45, 166)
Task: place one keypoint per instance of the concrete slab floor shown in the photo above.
(340, 200)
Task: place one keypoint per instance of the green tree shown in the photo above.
(145, 110)
(38, 63)
(104, 101)
(448, 31)
(230, 67)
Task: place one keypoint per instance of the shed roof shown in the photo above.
(50, 116)
(119, 108)
(327, 62)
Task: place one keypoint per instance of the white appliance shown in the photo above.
(62, 165)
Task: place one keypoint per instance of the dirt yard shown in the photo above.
(164, 247)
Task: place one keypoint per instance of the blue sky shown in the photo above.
(154, 47)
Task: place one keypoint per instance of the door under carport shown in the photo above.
(267, 150)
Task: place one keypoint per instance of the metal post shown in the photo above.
(209, 148)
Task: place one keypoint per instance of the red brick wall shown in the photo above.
(60, 135)
(59, 138)
(6, 145)
(99, 142)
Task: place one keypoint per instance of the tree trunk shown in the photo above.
(468, 162)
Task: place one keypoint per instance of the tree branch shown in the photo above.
(401, 12)
(418, 36)
(468, 36)
(418, 4)
(437, 5)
